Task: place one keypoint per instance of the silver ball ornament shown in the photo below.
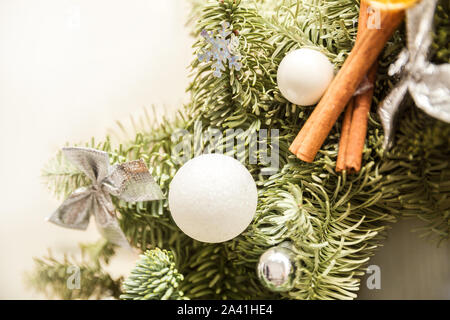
(276, 269)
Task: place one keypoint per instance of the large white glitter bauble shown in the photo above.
(213, 198)
(303, 76)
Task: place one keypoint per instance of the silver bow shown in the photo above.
(428, 84)
(129, 181)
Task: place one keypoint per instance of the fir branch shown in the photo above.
(335, 221)
(224, 102)
(99, 252)
(214, 271)
(440, 48)
(54, 277)
(418, 173)
(155, 277)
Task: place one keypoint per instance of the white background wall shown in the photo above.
(68, 70)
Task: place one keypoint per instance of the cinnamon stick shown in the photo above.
(358, 128)
(356, 66)
(354, 130)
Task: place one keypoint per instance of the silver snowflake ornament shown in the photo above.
(222, 48)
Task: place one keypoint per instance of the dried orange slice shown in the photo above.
(392, 4)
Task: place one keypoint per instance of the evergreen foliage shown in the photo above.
(335, 221)
(53, 277)
(155, 277)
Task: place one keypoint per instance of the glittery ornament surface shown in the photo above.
(428, 84)
(129, 181)
(222, 49)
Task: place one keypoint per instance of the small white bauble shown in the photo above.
(304, 75)
(213, 198)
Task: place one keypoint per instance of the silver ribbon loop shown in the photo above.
(130, 181)
(428, 84)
